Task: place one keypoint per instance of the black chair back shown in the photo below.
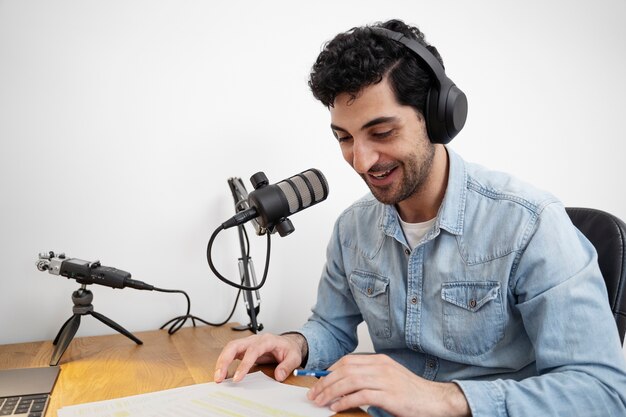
(608, 234)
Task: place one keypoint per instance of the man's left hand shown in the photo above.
(378, 380)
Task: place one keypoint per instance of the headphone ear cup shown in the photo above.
(443, 130)
(436, 128)
(446, 104)
(456, 111)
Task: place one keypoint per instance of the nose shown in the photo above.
(364, 156)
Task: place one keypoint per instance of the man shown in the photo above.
(480, 296)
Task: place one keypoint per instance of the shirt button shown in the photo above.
(472, 303)
(407, 251)
(431, 364)
(370, 291)
(414, 300)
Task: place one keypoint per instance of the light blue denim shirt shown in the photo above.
(503, 296)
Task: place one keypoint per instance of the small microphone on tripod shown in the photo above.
(85, 272)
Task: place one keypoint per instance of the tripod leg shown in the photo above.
(64, 337)
(56, 339)
(104, 319)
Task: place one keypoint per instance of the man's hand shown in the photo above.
(287, 350)
(377, 380)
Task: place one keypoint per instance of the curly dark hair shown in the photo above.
(359, 58)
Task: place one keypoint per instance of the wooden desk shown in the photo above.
(105, 367)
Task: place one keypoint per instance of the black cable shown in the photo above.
(178, 322)
(245, 234)
(227, 281)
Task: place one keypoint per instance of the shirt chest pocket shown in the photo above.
(371, 293)
(473, 319)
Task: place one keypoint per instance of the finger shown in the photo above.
(266, 358)
(262, 347)
(291, 361)
(347, 380)
(233, 350)
(325, 389)
(358, 399)
(266, 347)
(331, 387)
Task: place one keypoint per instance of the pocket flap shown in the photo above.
(369, 284)
(470, 295)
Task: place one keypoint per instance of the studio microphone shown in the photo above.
(271, 204)
(85, 272)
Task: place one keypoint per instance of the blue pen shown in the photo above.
(310, 372)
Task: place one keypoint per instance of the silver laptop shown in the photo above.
(26, 391)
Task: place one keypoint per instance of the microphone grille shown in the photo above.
(304, 189)
(290, 195)
(319, 184)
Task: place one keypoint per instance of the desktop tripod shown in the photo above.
(82, 305)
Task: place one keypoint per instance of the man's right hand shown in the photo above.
(286, 350)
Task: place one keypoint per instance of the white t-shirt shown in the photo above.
(414, 232)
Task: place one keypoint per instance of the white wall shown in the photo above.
(120, 122)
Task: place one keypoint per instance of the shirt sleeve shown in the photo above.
(562, 299)
(331, 330)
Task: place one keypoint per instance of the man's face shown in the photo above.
(385, 142)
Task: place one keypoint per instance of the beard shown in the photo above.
(416, 169)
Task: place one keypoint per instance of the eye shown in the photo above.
(382, 135)
(341, 137)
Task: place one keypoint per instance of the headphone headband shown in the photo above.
(446, 104)
(419, 50)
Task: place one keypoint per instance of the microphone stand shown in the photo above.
(246, 267)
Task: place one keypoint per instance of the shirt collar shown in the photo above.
(452, 211)
(451, 214)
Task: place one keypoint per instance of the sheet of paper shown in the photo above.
(256, 396)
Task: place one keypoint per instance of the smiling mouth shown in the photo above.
(382, 175)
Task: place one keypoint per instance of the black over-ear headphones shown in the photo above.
(446, 104)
